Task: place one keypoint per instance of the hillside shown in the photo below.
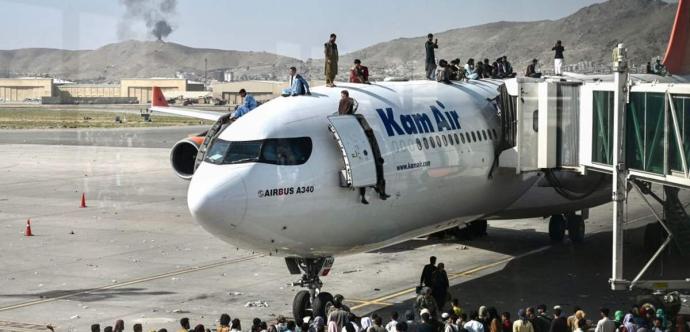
(140, 59)
(588, 35)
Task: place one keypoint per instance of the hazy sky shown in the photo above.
(295, 28)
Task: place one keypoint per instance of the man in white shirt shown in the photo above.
(390, 327)
(605, 324)
(450, 325)
(474, 325)
(298, 86)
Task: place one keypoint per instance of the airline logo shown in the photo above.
(419, 123)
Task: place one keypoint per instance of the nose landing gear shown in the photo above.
(312, 301)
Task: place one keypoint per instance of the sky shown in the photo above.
(295, 28)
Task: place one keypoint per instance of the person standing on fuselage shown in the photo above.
(558, 58)
(330, 50)
(430, 60)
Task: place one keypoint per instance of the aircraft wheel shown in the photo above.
(653, 237)
(576, 228)
(318, 307)
(300, 305)
(557, 228)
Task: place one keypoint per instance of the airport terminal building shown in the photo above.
(51, 91)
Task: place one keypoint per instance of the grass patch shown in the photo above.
(29, 118)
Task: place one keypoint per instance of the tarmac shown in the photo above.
(134, 252)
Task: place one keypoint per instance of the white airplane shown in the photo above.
(284, 179)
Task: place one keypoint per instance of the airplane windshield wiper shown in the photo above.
(244, 160)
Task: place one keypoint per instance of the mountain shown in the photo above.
(131, 59)
(588, 35)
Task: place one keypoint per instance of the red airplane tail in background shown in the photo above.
(677, 59)
(158, 98)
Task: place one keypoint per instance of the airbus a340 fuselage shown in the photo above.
(438, 144)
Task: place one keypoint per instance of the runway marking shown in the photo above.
(132, 282)
(365, 301)
(20, 327)
(382, 300)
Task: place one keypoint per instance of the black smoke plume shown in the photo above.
(154, 14)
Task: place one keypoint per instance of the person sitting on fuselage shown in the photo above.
(470, 70)
(359, 73)
(248, 104)
(298, 85)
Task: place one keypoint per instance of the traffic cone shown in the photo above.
(83, 200)
(27, 232)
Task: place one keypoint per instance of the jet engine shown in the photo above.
(183, 156)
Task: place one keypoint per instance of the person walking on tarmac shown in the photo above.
(330, 50)
(425, 301)
(440, 286)
(427, 278)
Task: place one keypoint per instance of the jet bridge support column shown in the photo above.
(620, 171)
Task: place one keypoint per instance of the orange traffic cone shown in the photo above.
(83, 200)
(27, 232)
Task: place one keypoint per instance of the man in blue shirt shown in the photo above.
(298, 85)
(249, 103)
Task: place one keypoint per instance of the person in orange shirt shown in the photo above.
(359, 73)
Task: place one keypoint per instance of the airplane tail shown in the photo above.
(158, 99)
(677, 59)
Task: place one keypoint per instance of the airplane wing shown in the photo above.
(159, 104)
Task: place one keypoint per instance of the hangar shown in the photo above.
(21, 89)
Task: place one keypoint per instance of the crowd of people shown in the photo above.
(433, 312)
(446, 72)
(432, 317)
(657, 68)
(443, 71)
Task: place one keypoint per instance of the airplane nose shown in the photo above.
(217, 197)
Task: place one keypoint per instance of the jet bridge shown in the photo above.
(634, 127)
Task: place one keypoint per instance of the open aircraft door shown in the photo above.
(357, 151)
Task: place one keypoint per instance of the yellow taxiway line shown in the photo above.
(132, 282)
(382, 301)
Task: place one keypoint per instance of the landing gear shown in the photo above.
(573, 223)
(576, 228)
(320, 303)
(557, 228)
(301, 304)
(311, 302)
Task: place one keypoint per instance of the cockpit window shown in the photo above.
(277, 151)
(286, 151)
(242, 152)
